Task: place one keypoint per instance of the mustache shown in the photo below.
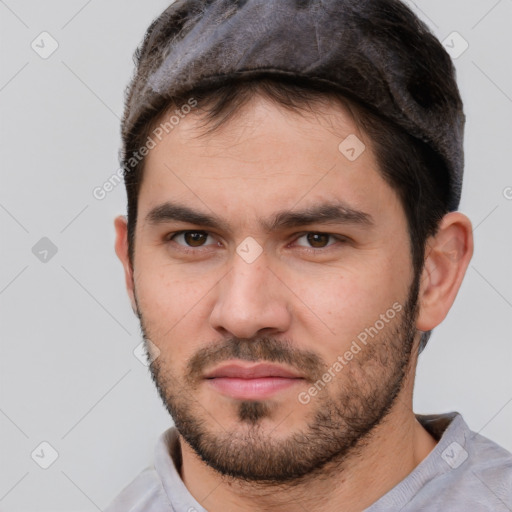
(261, 349)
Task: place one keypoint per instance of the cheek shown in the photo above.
(345, 302)
(171, 306)
(165, 290)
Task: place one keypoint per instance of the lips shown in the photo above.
(251, 372)
(257, 382)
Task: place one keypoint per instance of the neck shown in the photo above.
(392, 450)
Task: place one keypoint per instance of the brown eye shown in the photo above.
(318, 240)
(190, 238)
(195, 238)
(315, 242)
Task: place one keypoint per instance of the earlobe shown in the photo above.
(447, 256)
(121, 248)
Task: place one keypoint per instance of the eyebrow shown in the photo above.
(324, 213)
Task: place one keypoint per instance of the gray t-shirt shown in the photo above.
(464, 472)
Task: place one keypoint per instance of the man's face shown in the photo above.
(329, 299)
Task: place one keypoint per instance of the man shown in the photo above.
(293, 171)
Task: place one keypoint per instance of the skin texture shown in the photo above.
(357, 437)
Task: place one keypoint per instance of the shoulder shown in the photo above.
(465, 471)
(143, 494)
(474, 471)
(489, 468)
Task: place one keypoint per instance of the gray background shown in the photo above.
(68, 374)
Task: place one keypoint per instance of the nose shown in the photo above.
(250, 300)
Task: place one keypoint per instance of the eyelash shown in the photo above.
(311, 250)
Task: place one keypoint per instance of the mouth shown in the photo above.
(255, 382)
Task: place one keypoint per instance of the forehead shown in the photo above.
(264, 159)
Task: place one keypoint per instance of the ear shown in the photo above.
(121, 247)
(447, 256)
